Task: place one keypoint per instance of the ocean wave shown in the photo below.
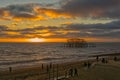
(7, 62)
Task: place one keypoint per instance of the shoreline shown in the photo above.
(89, 58)
(109, 54)
(41, 70)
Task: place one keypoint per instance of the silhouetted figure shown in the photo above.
(104, 61)
(115, 58)
(71, 72)
(76, 72)
(88, 65)
(65, 73)
(97, 58)
(10, 69)
(42, 66)
(85, 64)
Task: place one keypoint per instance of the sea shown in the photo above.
(33, 54)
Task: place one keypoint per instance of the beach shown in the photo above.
(52, 61)
(97, 70)
(59, 39)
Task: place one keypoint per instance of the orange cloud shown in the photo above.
(12, 33)
(29, 18)
(6, 13)
(42, 31)
(31, 12)
(67, 23)
(52, 13)
(18, 15)
(47, 34)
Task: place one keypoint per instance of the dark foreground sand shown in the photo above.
(97, 70)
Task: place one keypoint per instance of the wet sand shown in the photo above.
(96, 71)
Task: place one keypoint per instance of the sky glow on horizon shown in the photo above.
(53, 20)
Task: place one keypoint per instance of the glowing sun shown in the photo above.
(37, 40)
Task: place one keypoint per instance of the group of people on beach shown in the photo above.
(73, 72)
(104, 60)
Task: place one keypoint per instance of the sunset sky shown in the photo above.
(57, 20)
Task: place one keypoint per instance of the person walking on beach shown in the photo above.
(71, 72)
(103, 60)
(75, 72)
(115, 58)
(85, 64)
(10, 69)
(88, 64)
(97, 58)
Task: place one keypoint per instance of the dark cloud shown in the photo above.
(97, 30)
(108, 30)
(24, 15)
(29, 11)
(20, 12)
(66, 9)
(3, 28)
(100, 26)
(92, 8)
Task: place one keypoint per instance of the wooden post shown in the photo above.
(49, 75)
(65, 73)
(47, 68)
(57, 71)
(50, 65)
(10, 69)
(53, 72)
(48, 71)
(42, 66)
